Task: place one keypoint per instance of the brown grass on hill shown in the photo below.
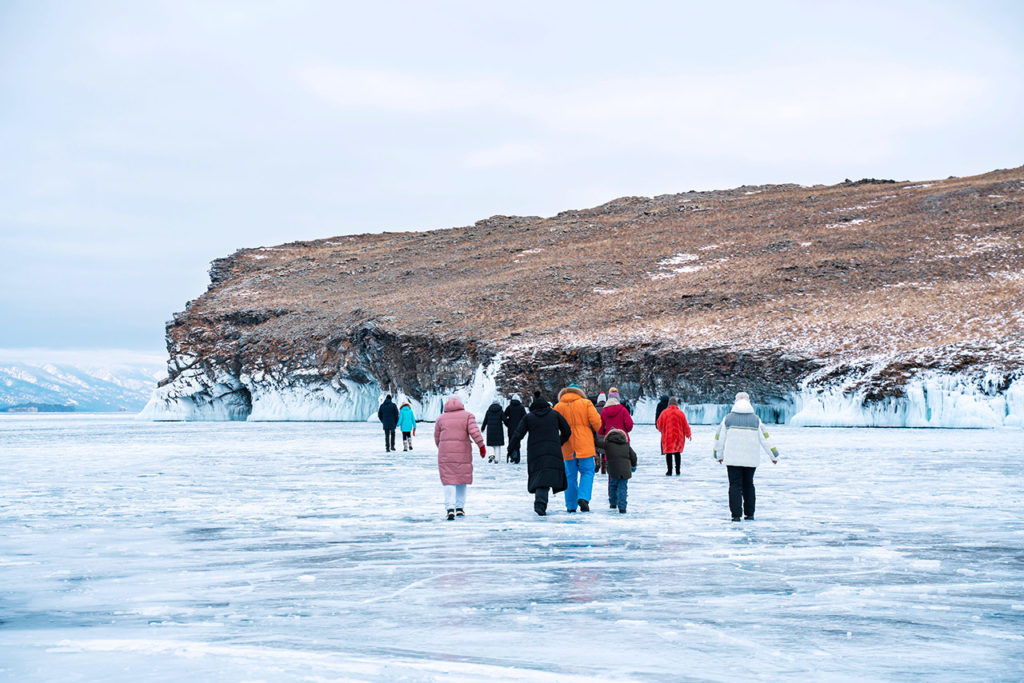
(851, 269)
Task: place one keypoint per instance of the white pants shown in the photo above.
(496, 452)
(454, 496)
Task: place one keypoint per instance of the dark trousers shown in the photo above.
(668, 461)
(741, 491)
(389, 439)
(540, 499)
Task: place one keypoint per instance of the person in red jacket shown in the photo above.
(675, 430)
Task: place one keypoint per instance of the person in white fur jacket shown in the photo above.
(739, 440)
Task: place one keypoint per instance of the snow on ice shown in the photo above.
(135, 550)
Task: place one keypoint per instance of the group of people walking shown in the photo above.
(569, 442)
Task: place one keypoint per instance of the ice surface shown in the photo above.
(134, 550)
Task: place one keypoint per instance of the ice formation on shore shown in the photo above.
(930, 399)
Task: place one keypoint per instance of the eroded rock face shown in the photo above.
(859, 297)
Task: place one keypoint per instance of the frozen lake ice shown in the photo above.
(301, 551)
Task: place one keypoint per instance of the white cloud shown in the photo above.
(396, 91)
(508, 154)
(816, 112)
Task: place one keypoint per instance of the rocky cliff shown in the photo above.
(868, 302)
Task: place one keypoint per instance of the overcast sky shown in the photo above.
(140, 140)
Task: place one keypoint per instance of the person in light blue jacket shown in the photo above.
(407, 425)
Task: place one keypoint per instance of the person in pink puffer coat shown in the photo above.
(452, 434)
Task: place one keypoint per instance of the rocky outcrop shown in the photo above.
(819, 301)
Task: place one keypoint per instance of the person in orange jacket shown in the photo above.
(578, 452)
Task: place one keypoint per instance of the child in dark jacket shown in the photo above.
(621, 465)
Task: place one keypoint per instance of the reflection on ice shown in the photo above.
(133, 550)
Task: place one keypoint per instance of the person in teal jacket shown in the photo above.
(407, 424)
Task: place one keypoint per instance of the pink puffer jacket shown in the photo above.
(452, 433)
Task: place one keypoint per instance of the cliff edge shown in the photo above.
(864, 303)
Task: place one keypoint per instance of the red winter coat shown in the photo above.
(674, 428)
(452, 433)
(615, 416)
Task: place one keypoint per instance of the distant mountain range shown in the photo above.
(86, 384)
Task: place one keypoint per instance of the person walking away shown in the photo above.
(406, 425)
(601, 400)
(494, 430)
(579, 451)
(388, 416)
(513, 415)
(621, 465)
(675, 430)
(548, 431)
(662, 404)
(452, 434)
(614, 393)
(739, 440)
(614, 416)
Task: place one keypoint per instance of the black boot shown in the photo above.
(451, 515)
(584, 505)
(679, 457)
(668, 464)
(459, 512)
(540, 508)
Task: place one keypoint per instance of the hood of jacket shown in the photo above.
(453, 404)
(539, 405)
(616, 436)
(742, 406)
(515, 402)
(570, 394)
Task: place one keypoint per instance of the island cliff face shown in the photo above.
(869, 302)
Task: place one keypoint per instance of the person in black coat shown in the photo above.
(494, 431)
(512, 416)
(545, 468)
(388, 416)
(662, 404)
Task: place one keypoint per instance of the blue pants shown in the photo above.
(580, 473)
(617, 489)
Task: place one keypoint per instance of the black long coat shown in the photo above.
(492, 426)
(388, 415)
(547, 431)
(514, 413)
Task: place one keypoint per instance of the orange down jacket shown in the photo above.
(583, 419)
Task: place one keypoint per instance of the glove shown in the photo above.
(483, 451)
(632, 469)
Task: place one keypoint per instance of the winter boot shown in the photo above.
(540, 508)
(679, 457)
(459, 512)
(451, 514)
(622, 511)
(584, 505)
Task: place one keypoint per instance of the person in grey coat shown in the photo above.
(739, 440)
